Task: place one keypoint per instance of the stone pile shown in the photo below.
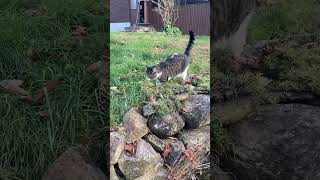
(158, 140)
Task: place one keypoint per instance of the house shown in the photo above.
(193, 15)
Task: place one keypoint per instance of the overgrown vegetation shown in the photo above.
(296, 66)
(132, 52)
(41, 40)
(292, 66)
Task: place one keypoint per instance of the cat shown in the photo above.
(230, 20)
(174, 66)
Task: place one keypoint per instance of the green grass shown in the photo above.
(285, 17)
(298, 68)
(130, 53)
(29, 143)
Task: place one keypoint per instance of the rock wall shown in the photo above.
(159, 147)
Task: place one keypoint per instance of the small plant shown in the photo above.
(173, 31)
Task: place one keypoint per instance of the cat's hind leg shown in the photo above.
(185, 74)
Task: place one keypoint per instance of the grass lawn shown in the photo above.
(297, 70)
(285, 17)
(130, 53)
(37, 44)
(299, 21)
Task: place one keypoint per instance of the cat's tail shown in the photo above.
(190, 44)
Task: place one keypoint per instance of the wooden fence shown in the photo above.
(195, 17)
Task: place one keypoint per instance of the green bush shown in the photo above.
(172, 31)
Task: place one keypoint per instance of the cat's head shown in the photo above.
(151, 72)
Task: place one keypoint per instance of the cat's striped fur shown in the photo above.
(174, 66)
(230, 20)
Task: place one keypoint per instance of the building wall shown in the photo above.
(195, 17)
(119, 11)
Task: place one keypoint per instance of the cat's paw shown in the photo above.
(158, 83)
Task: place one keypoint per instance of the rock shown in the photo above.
(299, 97)
(183, 96)
(113, 174)
(162, 174)
(148, 110)
(219, 174)
(151, 173)
(140, 164)
(156, 143)
(196, 111)
(134, 126)
(282, 142)
(233, 111)
(176, 149)
(116, 147)
(191, 138)
(74, 164)
(168, 125)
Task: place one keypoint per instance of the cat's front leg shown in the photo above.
(158, 82)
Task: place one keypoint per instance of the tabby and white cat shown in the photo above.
(230, 20)
(174, 66)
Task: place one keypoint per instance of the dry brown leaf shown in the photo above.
(98, 66)
(262, 81)
(43, 114)
(166, 150)
(85, 140)
(115, 90)
(14, 87)
(189, 154)
(129, 148)
(152, 99)
(125, 89)
(173, 138)
(49, 85)
(79, 31)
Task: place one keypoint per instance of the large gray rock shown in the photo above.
(219, 174)
(157, 143)
(162, 174)
(141, 165)
(235, 110)
(165, 126)
(282, 142)
(176, 149)
(196, 111)
(116, 147)
(134, 126)
(74, 164)
(199, 137)
(148, 110)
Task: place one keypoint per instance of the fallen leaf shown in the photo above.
(115, 89)
(14, 87)
(166, 150)
(173, 138)
(98, 66)
(49, 85)
(131, 55)
(125, 89)
(152, 99)
(43, 114)
(79, 31)
(262, 81)
(129, 148)
(85, 140)
(189, 154)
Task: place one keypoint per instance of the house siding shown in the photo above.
(119, 11)
(195, 17)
